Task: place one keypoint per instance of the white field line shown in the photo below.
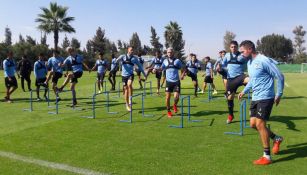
(48, 164)
(287, 84)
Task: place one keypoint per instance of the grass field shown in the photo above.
(148, 145)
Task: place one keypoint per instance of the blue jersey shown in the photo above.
(40, 69)
(54, 62)
(114, 65)
(157, 62)
(9, 67)
(75, 62)
(101, 66)
(262, 71)
(193, 66)
(208, 68)
(128, 62)
(219, 61)
(235, 64)
(172, 66)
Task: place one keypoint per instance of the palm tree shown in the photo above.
(55, 20)
(173, 38)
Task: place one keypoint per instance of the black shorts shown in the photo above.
(112, 73)
(261, 109)
(158, 75)
(138, 73)
(234, 83)
(164, 74)
(192, 75)
(40, 81)
(56, 77)
(223, 73)
(172, 86)
(100, 76)
(12, 83)
(208, 79)
(126, 78)
(76, 76)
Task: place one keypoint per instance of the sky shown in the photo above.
(203, 22)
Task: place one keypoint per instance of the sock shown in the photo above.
(230, 107)
(140, 82)
(73, 92)
(267, 153)
(195, 90)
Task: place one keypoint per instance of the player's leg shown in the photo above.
(22, 80)
(66, 81)
(28, 79)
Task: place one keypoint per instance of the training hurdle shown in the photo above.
(242, 119)
(131, 107)
(31, 99)
(57, 103)
(107, 93)
(119, 88)
(150, 86)
(104, 85)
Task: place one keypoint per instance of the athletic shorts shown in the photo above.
(138, 73)
(158, 75)
(12, 83)
(261, 109)
(40, 81)
(76, 76)
(208, 79)
(234, 83)
(56, 77)
(172, 86)
(112, 73)
(192, 75)
(223, 73)
(126, 78)
(100, 76)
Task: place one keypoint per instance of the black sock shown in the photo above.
(230, 107)
(195, 90)
(266, 151)
(140, 82)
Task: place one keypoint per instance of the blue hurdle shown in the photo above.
(181, 110)
(131, 106)
(242, 117)
(31, 99)
(150, 86)
(119, 88)
(57, 104)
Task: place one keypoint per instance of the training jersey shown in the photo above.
(9, 67)
(53, 63)
(141, 60)
(40, 69)
(75, 62)
(101, 66)
(208, 69)
(235, 64)
(172, 67)
(262, 71)
(157, 62)
(193, 66)
(219, 60)
(128, 62)
(114, 65)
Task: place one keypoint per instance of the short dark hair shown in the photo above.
(41, 54)
(207, 57)
(101, 53)
(158, 51)
(55, 52)
(233, 42)
(248, 44)
(222, 51)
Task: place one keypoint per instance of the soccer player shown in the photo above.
(127, 62)
(223, 70)
(138, 71)
(234, 62)
(209, 76)
(101, 65)
(163, 72)
(262, 72)
(192, 68)
(56, 71)
(9, 67)
(113, 70)
(172, 66)
(76, 62)
(154, 68)
(40, 73)
(24, 70)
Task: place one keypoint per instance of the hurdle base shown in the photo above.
(27, 110)
(175, 126)
(92, 117)
(234, 133)
(112, 112)
(195, 120)
(54, 113)
(126, 121)
(148, 115)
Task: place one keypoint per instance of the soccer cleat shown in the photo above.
(99, 92)
(230, 118)
(263, 161)
(214, 92)
(200, 92)
(128, 107)
(276, 144)
(39, 99)
(175, 108)
(46, 98)
(169, 114)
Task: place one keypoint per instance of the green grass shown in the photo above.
(149, 146)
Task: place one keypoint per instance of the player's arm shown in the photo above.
(35, 69)
(246, 90)
(140, 67)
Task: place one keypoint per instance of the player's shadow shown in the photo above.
(288, 120)
(293, 152)
(208, 113)
(293, 97)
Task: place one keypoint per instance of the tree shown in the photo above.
(21, 39)
(299, 49)
(74, 43)
(119, 44)
(229, 36)
(66, 43)
(276, 46)
(30, 40)
(154, 41)
(44, 39)
(98, 41)
(8, 37)
(55, 20)
(113, 48)
(135, 42)
(173, 38)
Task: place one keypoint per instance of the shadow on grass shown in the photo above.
(294, 152)
(288, 120)
(208, 113)
(293, 97)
